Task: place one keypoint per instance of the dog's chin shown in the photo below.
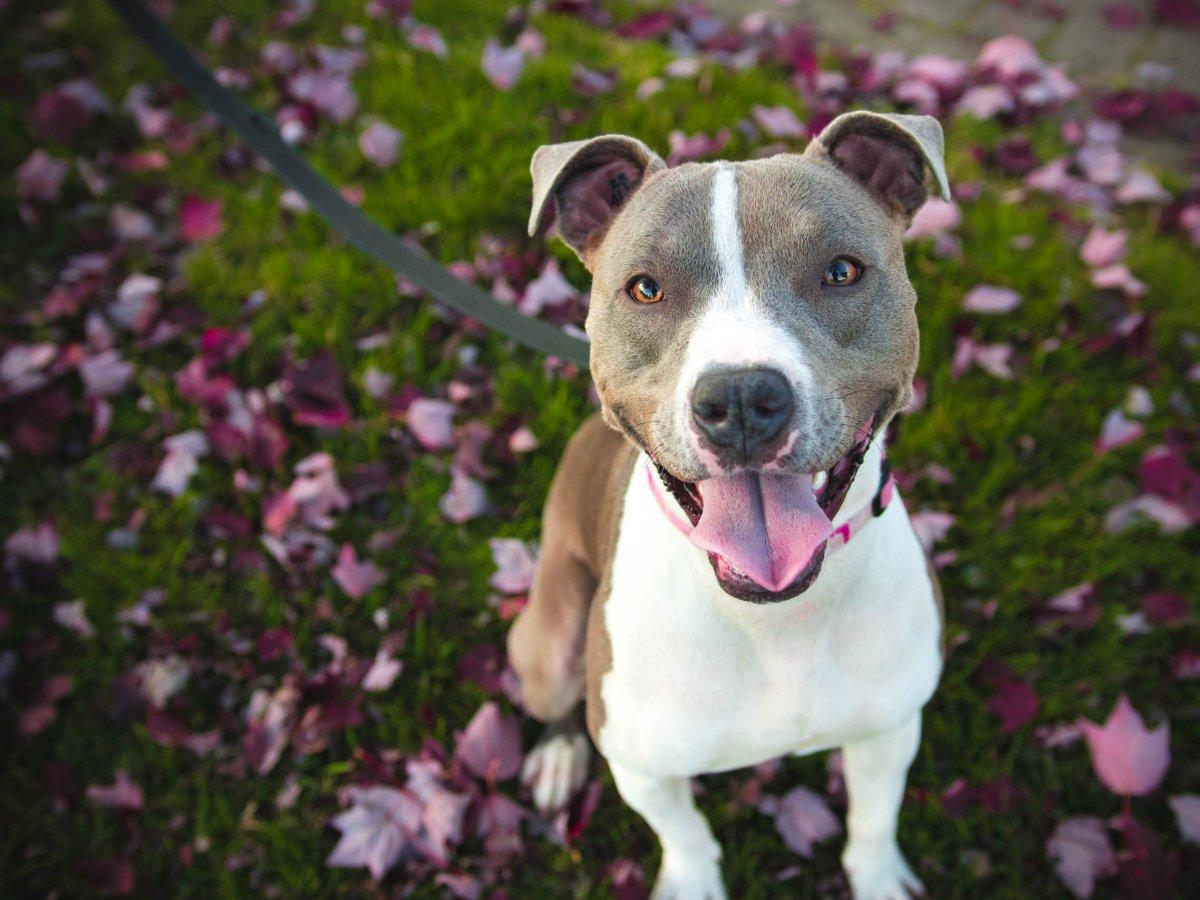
(742, 587)
(829, 496)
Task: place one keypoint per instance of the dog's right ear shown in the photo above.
(579, 187)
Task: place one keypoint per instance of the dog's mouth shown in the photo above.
(765, 533)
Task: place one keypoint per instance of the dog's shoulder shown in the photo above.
(588, 488)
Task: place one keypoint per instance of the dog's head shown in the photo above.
(752, 324)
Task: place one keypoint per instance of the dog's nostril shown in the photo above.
(712, 413)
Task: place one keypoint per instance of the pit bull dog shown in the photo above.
(727, 573)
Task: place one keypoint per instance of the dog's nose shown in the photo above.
(739, 409)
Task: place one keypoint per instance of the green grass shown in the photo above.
(462, 174)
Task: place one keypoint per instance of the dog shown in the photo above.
(727, 573)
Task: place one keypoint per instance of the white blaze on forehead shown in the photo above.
(734, 330)
(727, 236)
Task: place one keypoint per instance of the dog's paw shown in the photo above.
(691, 878)
(881, 874)
(556, 769)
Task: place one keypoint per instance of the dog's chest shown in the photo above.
(701, 682)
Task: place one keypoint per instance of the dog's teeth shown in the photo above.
(819, 480)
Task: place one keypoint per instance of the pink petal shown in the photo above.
(72, 615)
(490, 746)
(931, 526)
(1118, 277)
(522, 441)
(803, 819)
(383, 672)
(1010, 57)
(467, 499)
(41, 176)
(35, 544)
(1103, 248)
(105, 374)
(987, 298)
(514, 566)
(945, 74)
(1170, 517)
(934, 217)
(329, 92)
(356, 578)
(778, 121)
(1081, 853)
(502, 65)
(22, 367)
(1141, 187)
(1072, 599)
(199, 219)
(124, 793)
(550, 288)
(921, 95)
(590, 83)
(986, 101)
(1129, 759)
(1117, 431)
(994, 359)
(686, 148)
(431, 423)
(380, 143)
(1187, 816)
(375, 829)
(180, 462)
(429, 39)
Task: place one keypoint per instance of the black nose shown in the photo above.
(739, 409)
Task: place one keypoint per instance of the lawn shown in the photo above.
(224, 672)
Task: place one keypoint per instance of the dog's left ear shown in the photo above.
(579, 187)
(887, 153)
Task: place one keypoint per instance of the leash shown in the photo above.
(405, 259)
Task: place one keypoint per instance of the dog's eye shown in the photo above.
(841, 272)
(644, 289)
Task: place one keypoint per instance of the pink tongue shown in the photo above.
(768, 526)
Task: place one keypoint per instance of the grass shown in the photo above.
(462, 174)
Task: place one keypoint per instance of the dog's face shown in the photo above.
(752, 324)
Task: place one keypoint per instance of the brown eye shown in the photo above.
(644, 289)
(841, 272)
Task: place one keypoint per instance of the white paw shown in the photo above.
(555, 770)
(881, 874)
(690, 878)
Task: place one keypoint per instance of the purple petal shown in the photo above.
(490, 746)
(514, 566)
(803, 819)
(987, 298)
(356, 578)
(1081, 853)
(380, 143)
(1187, 816)
(502, 65)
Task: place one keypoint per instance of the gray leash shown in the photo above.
(408, 261)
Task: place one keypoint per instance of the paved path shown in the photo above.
(1096, 53)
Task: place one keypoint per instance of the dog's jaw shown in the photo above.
(830, 487)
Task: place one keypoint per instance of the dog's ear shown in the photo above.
(578, 187)
(887, 154)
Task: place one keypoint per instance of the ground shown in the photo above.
(1010, 448)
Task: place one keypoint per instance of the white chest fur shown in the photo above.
(702, 682)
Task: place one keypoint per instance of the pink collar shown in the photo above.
(841, 535)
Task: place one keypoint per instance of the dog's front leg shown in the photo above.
(690, 867)
(875, 771)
